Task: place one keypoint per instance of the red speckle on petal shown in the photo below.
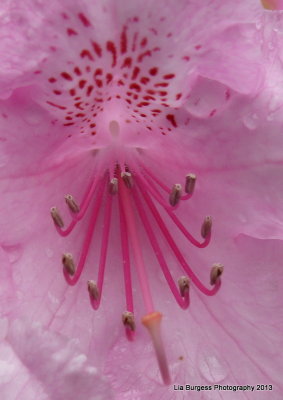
(171, 118)
(143, 104)
(135, 73)
(86, 53)
(123, 41)
(98, 71)
(153, 71)
(66, 76)
(144, 80)
(82, 83)
(109, 78)
(135, 86)
(56, 105)
(71, 32)
(78, 105)
(72, 92)
(144, 42)
(148, 98)
(110, 46)
(178, 96)
(77, 71)
(84, 20)
(168, 76)
(69, 124)
(212, 112)
(161, 84)
(127, 62)
(52, 80)
(57, 92)
(99, 83)
(145, 54)
(97, 48)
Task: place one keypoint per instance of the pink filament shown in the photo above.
(179, 224)
(126, 201)
(97, 205)
(83, 208)
(103, 250)
(172, 244)
(183, 302)
(126, 267)
(164, 187)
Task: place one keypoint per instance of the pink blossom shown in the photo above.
(161, 91)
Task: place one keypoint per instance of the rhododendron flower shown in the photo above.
(110, 111)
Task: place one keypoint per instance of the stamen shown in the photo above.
(95, 302)
(190, 183)
(215, 274)
(57, 219)
(182, 301)
(68, 263)
(174, 247)
(126, 266)
(93, 187)
(152, 323)
(88, 237)
(113, 186)
(150, 177)
(128, 179)
(206, 227)
(128, 320)
(73, 206)
(93, 290)
(184, 285)
(174, 217)
(175, 194)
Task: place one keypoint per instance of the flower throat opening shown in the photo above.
(138, 190)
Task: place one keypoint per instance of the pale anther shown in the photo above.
(128, 320)
(113, 186)
(128, 179)
(216, 272)
(190, 183)
(206, 227)
(56, 217)
(73, 206)
(68, 262)
(93, 290)
(184, 285)
(175, 194)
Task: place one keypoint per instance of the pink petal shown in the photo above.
(42, 365)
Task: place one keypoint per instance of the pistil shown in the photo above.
(152, 319)
(152, 322)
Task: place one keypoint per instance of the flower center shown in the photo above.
(117, 77)
(138, 192)
(116, 90)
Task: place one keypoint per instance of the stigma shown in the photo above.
(139, 195)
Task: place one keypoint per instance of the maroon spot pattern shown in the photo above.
(120, 69)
